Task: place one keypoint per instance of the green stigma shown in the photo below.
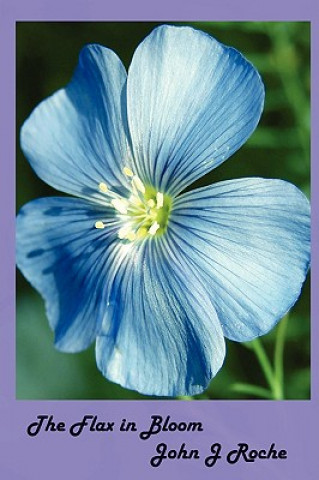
(157, 211)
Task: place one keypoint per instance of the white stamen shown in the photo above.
(151, 203)
(120, 205)
(126, 232)
(123, 232)
(153, 228)
(103, 187)
(128, 172)
(99, 224)
(137, 183)
(159, 200)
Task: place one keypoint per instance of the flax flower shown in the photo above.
(157, 277)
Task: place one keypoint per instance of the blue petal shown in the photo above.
(162, 336)
(250, 241)
(63, 256)
(192, 102)
(76, 138)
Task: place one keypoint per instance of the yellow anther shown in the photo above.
(135, 200)
(99, 224)
(137, 182)
(141, 232)
(128, 172)
(120, 205)
(159, 200)
(131, 236)
(142, 212)
(126, 233)
(153, 228)
(103, 187)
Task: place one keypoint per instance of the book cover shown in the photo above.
(157, 169)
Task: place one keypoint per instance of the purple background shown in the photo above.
(292, 425)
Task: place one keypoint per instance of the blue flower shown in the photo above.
(155, 276)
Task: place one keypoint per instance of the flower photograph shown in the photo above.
(163, 210)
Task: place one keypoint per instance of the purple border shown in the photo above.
(292, 425)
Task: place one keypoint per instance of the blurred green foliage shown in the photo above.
(280, 148)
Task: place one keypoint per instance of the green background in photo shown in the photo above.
(47, 55)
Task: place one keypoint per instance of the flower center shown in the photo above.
(144, 213)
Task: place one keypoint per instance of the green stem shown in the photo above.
(274, 375)
(279, 355)
(264, 362)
